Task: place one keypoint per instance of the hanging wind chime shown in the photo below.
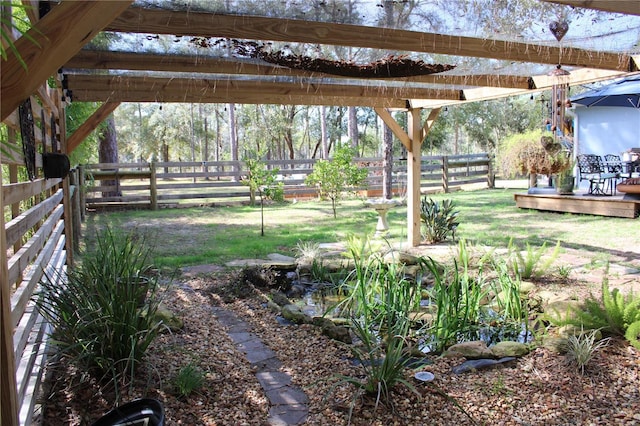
(560, 88)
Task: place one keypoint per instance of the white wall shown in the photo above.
(606, 130)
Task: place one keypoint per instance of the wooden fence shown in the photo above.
(173, 184)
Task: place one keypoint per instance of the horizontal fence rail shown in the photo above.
(173, 184)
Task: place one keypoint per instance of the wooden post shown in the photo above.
(491, 177)
(445, 174)
(82, 192)
(153, 186)
(413, 177)
(8, 389)
(75, 209)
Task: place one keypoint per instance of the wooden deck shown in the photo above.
(613, 206)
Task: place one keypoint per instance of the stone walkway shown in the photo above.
(288, 402)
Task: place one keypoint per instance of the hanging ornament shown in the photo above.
(559, 29)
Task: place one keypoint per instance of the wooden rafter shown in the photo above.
(97, 60)
(90, 125)
(103, 88)
(58, 36)
(157, 21)
(630, 7)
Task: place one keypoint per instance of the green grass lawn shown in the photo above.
(181, 237)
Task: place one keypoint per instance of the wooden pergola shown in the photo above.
(115, 77)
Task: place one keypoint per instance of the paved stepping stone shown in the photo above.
(288, 402)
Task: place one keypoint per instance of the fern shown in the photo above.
(616, 314)
(633, 334)
(530, 265)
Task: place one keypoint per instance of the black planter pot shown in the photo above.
(140, 412)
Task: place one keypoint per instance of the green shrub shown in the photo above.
(439, 219)
(333, 177)
(103, 316)
(189, 379)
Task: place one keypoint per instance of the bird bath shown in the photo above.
(381, 206)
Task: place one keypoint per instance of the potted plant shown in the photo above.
(565, 180)
(534, 153)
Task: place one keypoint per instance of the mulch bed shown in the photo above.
(538, 389)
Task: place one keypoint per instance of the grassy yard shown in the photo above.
(182, 237)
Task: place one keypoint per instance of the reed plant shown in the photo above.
(103, 313)
(509, 300)
(456, 294)
(379, 302)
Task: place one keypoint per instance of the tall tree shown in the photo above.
(233, 139)
(108, 152)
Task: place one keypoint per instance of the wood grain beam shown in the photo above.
(428, 123)
(156, 21)
(629, 7)
(97, 60)
(239, 98)
(161, 88)
(58, 36)
(396, 129)
(8, 390)
(90, 125)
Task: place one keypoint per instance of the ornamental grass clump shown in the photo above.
(581, 348)
(103, 313)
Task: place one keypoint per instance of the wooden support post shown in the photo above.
(75, 209)
(153, 186)
(491, 177)
(8, 389)
(413, 177)
(82, 192)
(445, 174)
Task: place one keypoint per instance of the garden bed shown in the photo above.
(540, 388)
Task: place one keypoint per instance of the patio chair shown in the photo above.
(592, 169)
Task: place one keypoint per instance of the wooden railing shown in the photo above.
(170, 184)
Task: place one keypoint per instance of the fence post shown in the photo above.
(75, 209)
(491, 177)
(153, 187)
(445, 174)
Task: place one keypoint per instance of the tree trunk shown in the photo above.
(353, 127)
(387, 163)
(288, 135)
(108, 153)
(323, 133)
(233, 139)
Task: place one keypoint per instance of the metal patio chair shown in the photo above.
(592, 169)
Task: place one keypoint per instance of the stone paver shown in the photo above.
(288, 402)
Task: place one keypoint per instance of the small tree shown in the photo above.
(265, 183)
(333, 177)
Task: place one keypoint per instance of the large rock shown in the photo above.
(168, 318)
(400, 257)
(333, 331)
(471, 350)
(509, 349)
(294, 314)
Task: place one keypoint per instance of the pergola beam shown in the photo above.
(122, 88)
(191, 23)
(103, 60)
(90, 125)
(51, 42)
